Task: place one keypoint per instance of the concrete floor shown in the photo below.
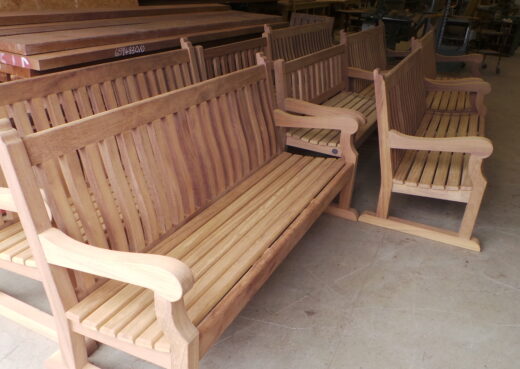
(353, 296)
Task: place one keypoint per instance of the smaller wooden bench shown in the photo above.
(293, 42)
(427, 153)
(321, 82)
(446, 100)
(202, 206)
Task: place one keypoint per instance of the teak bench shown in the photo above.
(186, 205)
(293, 42)
(426, 153)
(39, 103)
(320, 82)
(446, 100)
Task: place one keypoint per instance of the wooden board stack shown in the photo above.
(32, 43)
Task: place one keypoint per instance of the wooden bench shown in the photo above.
(321, 82)
(446, 100)
(293, 42)
(426, 153)
(39, 103)
(197, 186)
(219, 60)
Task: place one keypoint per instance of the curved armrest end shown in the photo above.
(481, 147)
(166, 276)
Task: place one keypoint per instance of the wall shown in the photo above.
(64, 4)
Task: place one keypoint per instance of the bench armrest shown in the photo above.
(461, 84)
(397, 54)
(166, 276)
(7, 201)
(354, 72)
(480, 147)
(303, 107)
(473, 61)
(343, 124)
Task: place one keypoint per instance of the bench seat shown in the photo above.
(236, 230)
(326, 137)
(433, 169)
(460, 101)
(14, 247)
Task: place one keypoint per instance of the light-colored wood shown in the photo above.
(425, 153)
(247, 205)
(421, 230)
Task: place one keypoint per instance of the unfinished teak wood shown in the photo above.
(447, 100)
(293, 42)
(427, 154)
(47, 101)
(196, 184)
(321, 82)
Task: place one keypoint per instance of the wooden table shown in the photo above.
(30, 49)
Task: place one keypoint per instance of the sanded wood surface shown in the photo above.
(42, 42)
(48, 16)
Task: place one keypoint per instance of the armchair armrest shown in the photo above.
(462, 84)
(354, 72)
(307, 108)
(345, 124)
(166, 276)
(473, 61)
(480, 147)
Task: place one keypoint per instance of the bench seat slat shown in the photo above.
(219, 254)
(436, 170)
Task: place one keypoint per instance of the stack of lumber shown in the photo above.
(36, 42)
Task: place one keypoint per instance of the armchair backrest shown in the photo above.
(314, 78)
(401, 101)
(427, 43)
(365, 50)
(294, 42)
(219, 60)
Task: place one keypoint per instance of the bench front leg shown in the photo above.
(180, 331)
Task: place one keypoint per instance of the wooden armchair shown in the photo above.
(447, 100)
(426, 153)
(201, 206)
(322, 81)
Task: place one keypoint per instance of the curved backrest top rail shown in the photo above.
(125, 178)
(26, 89)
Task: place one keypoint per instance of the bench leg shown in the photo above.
(183, 335)
(479, 184)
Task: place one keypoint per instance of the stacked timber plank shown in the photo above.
(36, 42)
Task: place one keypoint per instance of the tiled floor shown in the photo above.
(352, 296)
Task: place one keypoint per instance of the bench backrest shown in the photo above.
(401, 101)
(427, 43)
(298, 19)
(314, 78)
(293, 42)
(365, 50)
(132, 174)
(220, 60)
(39, 103)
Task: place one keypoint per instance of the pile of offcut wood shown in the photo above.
(36, 42)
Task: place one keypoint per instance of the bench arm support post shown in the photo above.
(354, 72)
